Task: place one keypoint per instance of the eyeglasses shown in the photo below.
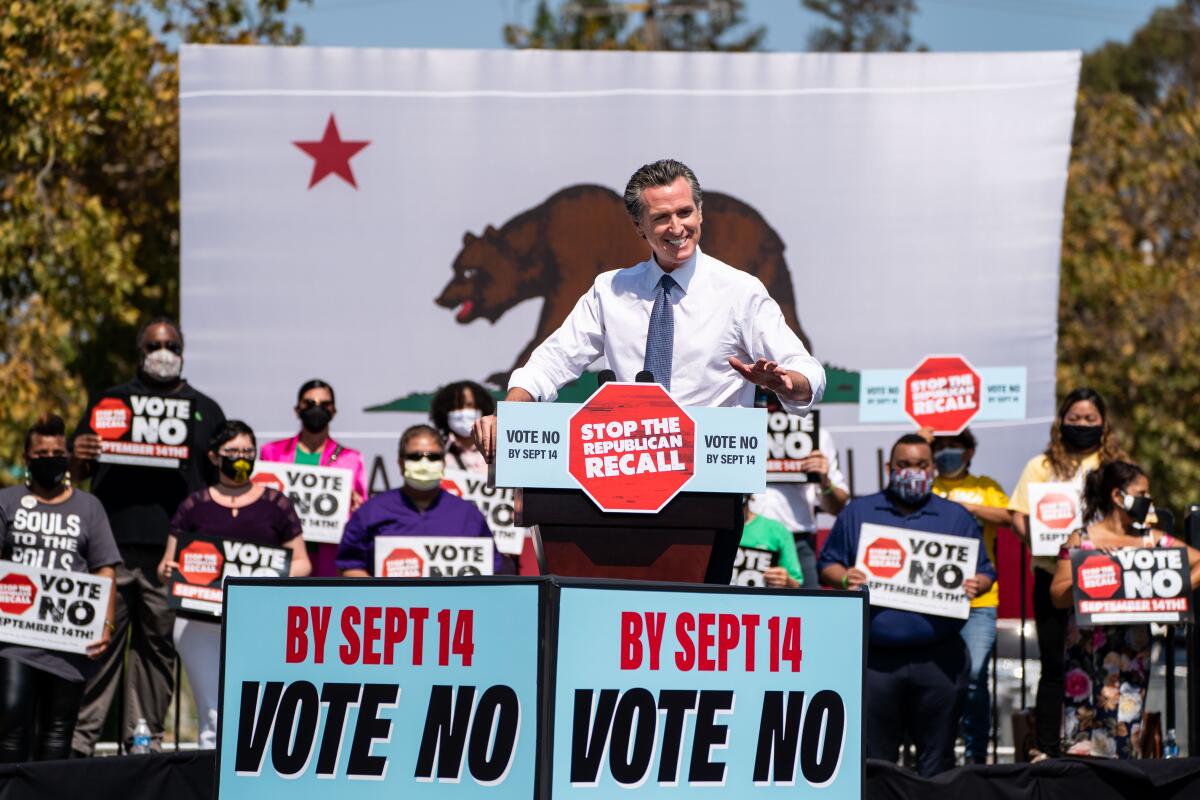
(419, 456)
(174, 347)
(308, 402)
(247, 453)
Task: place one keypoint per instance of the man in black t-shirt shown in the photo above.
(144, 444)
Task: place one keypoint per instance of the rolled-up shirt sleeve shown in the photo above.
(767, 335)
(566, 353)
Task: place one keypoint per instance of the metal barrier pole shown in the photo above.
(1024, 617)
(178, 687)
(121, 705)
(1169, 655)
(1191, 535)
(995, 704)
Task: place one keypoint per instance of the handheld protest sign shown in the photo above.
(51, 609)
(1054, 511)
(749, 565)
(433, 556)
(674, 690)
(320, 495)
(791, 439)
(1133, 585)
(364, 689)
(497, 504)
(204, 563)
(917, 571)
(145, 430)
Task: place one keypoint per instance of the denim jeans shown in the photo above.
(980, 636)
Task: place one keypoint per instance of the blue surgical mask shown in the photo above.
(910, 485)
(950, 461)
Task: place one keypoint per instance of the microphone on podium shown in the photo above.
(645, 376)
(604, 376)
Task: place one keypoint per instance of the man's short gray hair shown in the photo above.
(663, 172)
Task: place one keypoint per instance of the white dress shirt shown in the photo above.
(796, 504)
(720, 312)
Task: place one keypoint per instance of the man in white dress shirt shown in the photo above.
(708, 332)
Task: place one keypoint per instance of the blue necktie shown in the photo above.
(660, 338)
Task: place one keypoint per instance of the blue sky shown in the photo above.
(942, 25)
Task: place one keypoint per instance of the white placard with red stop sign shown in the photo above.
(496, 503)
(1054, 511)
(917, 571)
(433, 556)
(320, 495)
(51, 609)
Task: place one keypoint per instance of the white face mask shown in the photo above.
(462, 420)
(423, 475)
(162, 365)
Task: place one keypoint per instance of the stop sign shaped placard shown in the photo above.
(943, 393)
(403, 563)
(111, 418)
(268, 479)
(17, 593)
(1056, 511)
(201, 563)
(1099, 577)
(885, 558)
(631, 447)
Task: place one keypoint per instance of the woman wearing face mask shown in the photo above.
(454, 410)
(1108, 665)
(315, 408)
(984, 498)
(421, 507)
(235, 509)
(1081, 440)
(49, 524)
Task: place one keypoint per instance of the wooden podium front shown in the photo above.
(693, 539)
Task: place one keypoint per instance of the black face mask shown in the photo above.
(315, 419)
(48, 471)
(237, 469)
(1082, 438)
(1138, 508)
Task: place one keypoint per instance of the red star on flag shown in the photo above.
(331, 155)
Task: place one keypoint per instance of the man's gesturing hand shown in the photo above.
(769, 375)
(485, 436)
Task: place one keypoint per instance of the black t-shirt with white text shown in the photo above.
(172, 431)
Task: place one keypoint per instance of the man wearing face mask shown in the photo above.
(421, 507)
(316, 408)
(917, 663)
(140, 495)
(986, 500)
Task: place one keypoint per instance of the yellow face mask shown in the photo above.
(424, 474)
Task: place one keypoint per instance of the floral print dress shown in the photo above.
(1107, 674)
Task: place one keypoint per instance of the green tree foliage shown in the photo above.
(665, 25)
(89, 187)
(1129, 306)
(862, 26)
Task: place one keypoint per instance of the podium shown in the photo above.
(630, 485)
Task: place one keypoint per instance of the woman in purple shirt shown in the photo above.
(236, 509)
(421, 507)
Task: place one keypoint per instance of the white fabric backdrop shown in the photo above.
(919, 197)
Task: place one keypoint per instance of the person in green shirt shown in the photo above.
(763, 533)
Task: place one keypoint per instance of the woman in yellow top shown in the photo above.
(984, 498)
(1081, 439)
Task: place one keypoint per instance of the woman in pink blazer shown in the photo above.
(315, 408)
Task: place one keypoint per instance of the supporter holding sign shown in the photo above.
(1081, 439)
(234, 509)
(762, 536)
(314, 447)
(49, 525)
(795, 504)
(917, 663)
(156, 411)
(1107, 666)
(421, 507)
(986, 500)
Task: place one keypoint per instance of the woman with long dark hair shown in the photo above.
(1081, 440)
(1108, 666)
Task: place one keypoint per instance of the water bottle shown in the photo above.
(141, 738)
(1170, 746)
